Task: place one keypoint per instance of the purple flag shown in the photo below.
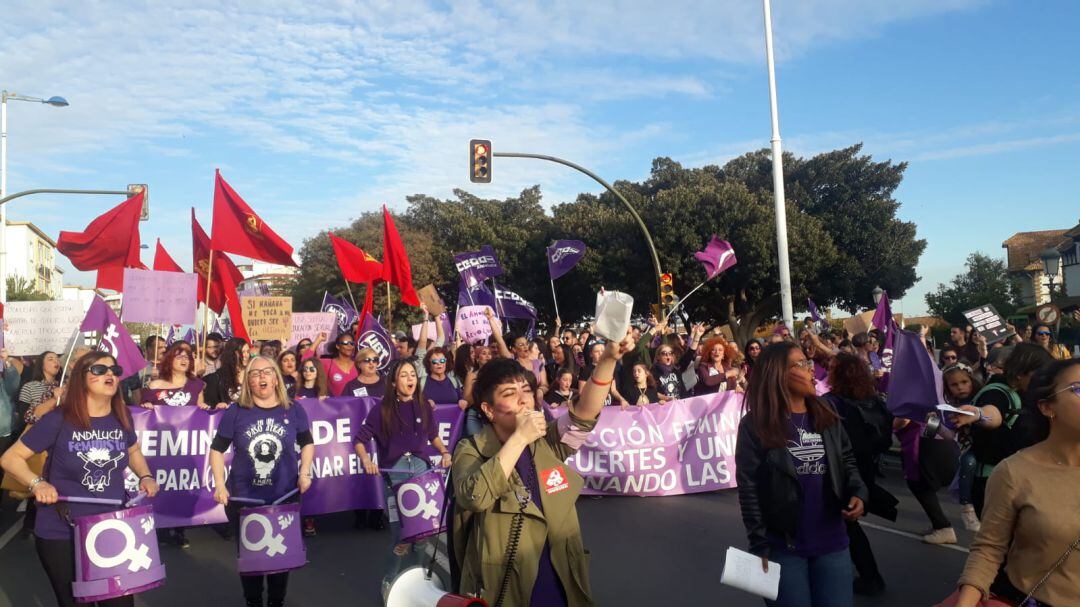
(374, 336)
(815, 315)
(883, 322)
(915, 381)
(114, 337)
(189, 336)
(563, 256)
(717, 257)
(170, 337)
(476, 295)
(477, 266)
(512, 305)
(346, 314)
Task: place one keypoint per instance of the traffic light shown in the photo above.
(667, 291)
(480, 161)
(133, 190)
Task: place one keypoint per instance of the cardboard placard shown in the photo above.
(472, 323)
(268, 318)
(859, 323)
(430, 297)
(989, 324)
(310, 324)
(160, 298)
(37, 326)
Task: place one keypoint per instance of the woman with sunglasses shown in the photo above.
(798, 481)
(949, 357)
(340, 370)
(368, 382)
(439, 386)
(1043, 336)
(272, 454)
(668, 367)
(176, 385)
(224, 385)
(312, 382)
(401, 428)
(1029, 522)
(92, 425)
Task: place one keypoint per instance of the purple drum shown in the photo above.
(116, 554)
(270, 540)
(419, 504)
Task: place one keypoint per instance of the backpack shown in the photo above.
(992, 446)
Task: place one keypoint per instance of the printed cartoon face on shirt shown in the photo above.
(809, 449)
(178, 398)
(101, 452)
(264, 448)
(669, 383)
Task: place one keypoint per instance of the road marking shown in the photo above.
(913, 536)
(12, 531)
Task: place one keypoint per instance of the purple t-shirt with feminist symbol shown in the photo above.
(266, 454)
(81, 463)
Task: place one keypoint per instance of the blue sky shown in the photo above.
(318, 111)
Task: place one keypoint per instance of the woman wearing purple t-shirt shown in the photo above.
(176, 385)
(90, 443)
(265, 431)
(797, 481)
(439, 386)
(401, 427)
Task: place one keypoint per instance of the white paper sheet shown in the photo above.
(952, 409)
(742, 570)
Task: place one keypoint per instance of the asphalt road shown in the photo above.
(645, 551)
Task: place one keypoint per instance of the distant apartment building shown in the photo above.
(31, 255)
(261, 278)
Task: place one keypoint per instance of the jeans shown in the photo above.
(820, 581)
(967, 476)
(410, 466)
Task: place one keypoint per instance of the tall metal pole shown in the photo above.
(3, 193)
(778, 181)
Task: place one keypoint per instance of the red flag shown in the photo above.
(223, 274)
(237, 229)
(228, 283)
(355, 264)
(369, 301)
(396, 269)
(109, 244)
(163, 262)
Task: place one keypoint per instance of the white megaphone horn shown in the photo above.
(413, 588)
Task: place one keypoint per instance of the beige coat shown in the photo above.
(486, 504)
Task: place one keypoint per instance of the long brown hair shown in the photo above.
(165, 369)
(321, 384)
(388, 406)
(74, 404)
(768, 403)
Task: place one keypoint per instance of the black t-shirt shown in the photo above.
(991, 445)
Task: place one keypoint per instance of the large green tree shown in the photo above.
(985, 280)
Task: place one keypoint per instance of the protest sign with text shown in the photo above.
(36, 326)
(162, 298)
(472, 323)
(989, 324)
(268, 317)
(310, 324)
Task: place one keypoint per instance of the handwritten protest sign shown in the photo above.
(472, 323)
(268, 318)
(431, 330)
(159, 297)
(430, 297)
(310, 324)
(989, 324)
(37, 326)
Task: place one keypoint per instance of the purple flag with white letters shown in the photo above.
(512, 305)
(476, 295)
(717, 257)
(346, 314)
(115, 340)
(563, 255)
(373, 335)
(170, 337)
(477, 266)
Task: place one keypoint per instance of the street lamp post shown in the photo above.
(4, 96)
(1051, 260)
(877, 293)
(782, 264)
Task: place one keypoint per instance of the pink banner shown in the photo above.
(686, 446)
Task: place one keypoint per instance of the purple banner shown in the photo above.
(477, 266)
(563, 255)
(159, 297)
(685, 446)
(116, 554)
(270, 540)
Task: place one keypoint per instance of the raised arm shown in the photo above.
(496, 333)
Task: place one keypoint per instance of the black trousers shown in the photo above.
(275, 584)
(861, 554)
(58, 559)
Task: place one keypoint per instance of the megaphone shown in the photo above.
(413, 588)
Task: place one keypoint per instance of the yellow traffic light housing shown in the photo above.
(667, 291)
(480, 161)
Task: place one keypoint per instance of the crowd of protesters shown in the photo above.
(808, 458)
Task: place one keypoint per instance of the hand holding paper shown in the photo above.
(745, 571)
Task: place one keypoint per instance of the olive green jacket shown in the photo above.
(487, 501)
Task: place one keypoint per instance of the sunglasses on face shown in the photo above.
(100, 370)
(346, 343)
(438, 361)
(310, 370)
(372, 360)
(805, 364)
(1042, 333)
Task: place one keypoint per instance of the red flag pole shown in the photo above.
(206, 313)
